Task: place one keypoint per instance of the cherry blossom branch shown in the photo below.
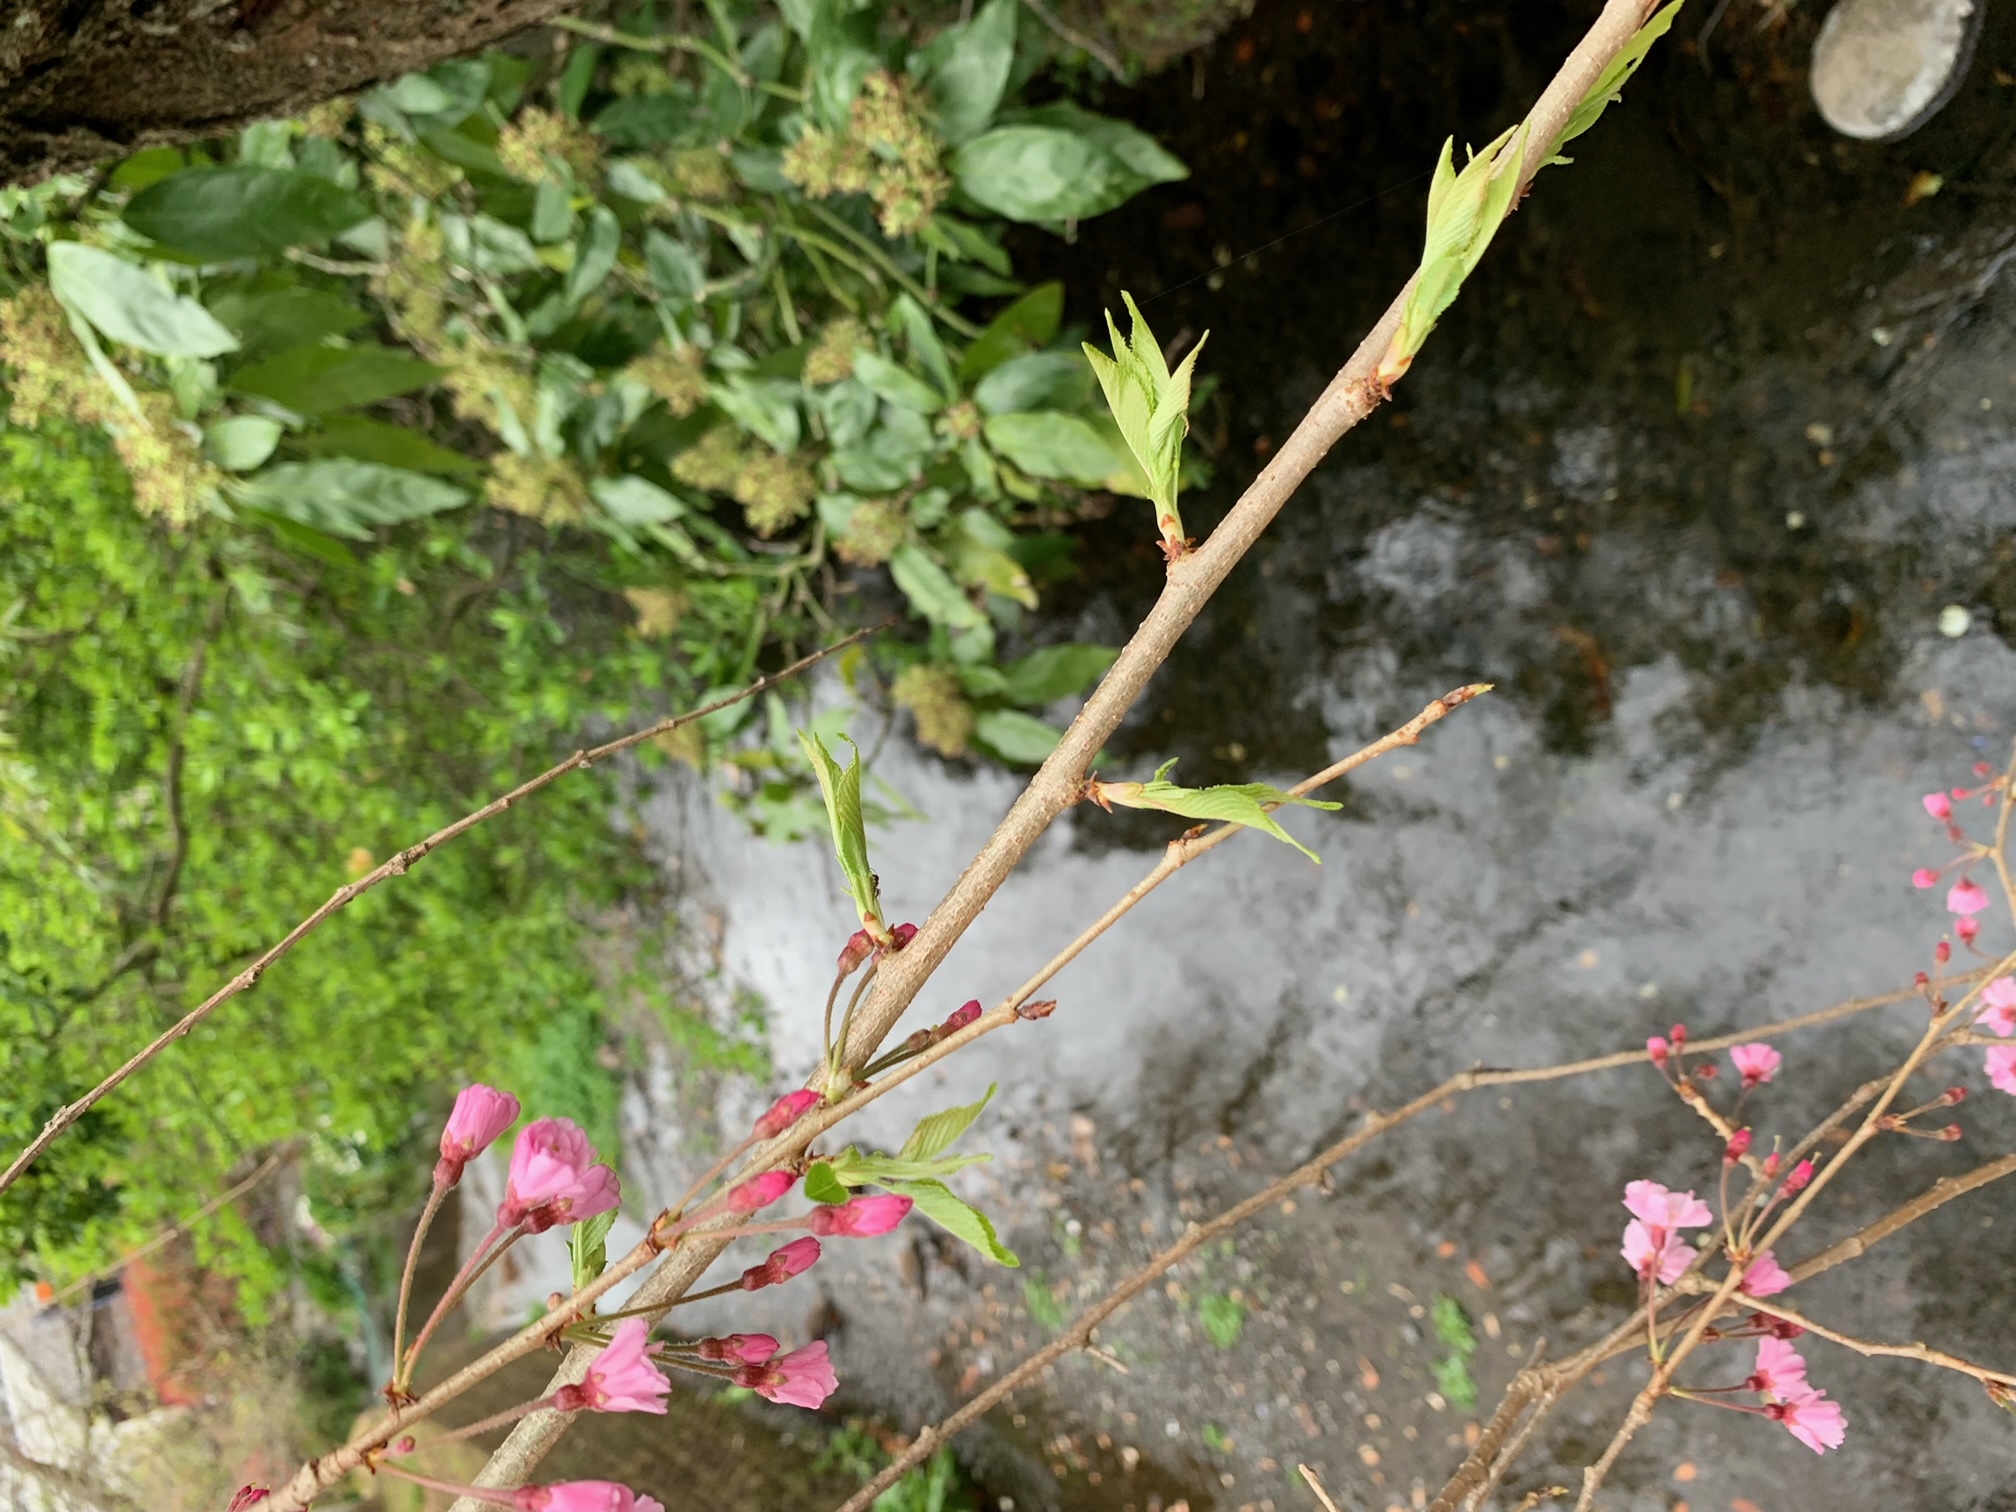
(1193, 578)
(397, 866)
(1936, 1196)
(1920, 1352)
(1079, 1334)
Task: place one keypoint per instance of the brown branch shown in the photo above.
(182, 1226)
(1193, 578)
(1919, 1352)
(1329, 1503)
(1072, 37)
(397, 866)
(1079, 1334)
(1936, 1196)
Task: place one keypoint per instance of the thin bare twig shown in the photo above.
(1072, 37)
(177, 1229)
(1316, 1485)
(1919, 1352)
(397, 866)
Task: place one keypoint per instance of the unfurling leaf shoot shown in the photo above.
(1249, 803)
(1151, 405)
(842, 792)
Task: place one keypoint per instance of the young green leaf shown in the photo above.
(1069, 448)
(1014, 736)
(1053, 672)
(1609, 85)
(931, 590)
(1249, 803)
(596, 254)
(242, 442)
(852, 1168)
(823, 1183)
(588, 1247)
(842, 792)
(345, 497)
(1027, 324)
(1452, 1325)
(967, 67)
(1464, 212)
(1151, 405)
(126, 305)
(1223, 1317)
(315, 379)
(935, 1201)
(936, 1133)
(1453, 1379)
(242, 211)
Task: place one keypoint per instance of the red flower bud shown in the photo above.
(1942, 953)
(1737, 1147)
(902, 934)
(1799, 1175)
(857, 949)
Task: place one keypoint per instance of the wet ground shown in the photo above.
(1717, 434)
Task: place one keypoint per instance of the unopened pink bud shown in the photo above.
(786, 1111)
(1737, 1147)
(1953, 1096)
(743, 1349)
(1771, 1164)
(249, 1496)
(1798, 1176)
(1679, 1034)
(963, 1015)
(1938, 805)
(789, 1260)
(860, 945)
(480, 1114)
(1707, 1071)
(902, 935)
(1967, 927)
(859, 1217)
(1658, 1050)
(1924, 877)
(1942, 953)
(1950, 1133)
(759, 1192)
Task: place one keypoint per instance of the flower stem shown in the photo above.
(412, 1264)
(477, 1263)
(487, 1494)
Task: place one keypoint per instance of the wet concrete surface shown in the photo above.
(1691, 473)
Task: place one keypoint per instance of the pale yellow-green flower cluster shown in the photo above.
(676, 377)
(888, 152)
(774, 491)
(831, 357)
(713, 462)
(934, 698)
(537, 144)
(702, 173)
(46, 373)
(540, 488)
(873, 532)
(395, 166)
(659, 610)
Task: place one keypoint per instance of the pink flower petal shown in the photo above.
(2001, 1063)
(1765, 1277)
(1966, 897)
(1757, 1063)
(859, 1217)
(1938, 805)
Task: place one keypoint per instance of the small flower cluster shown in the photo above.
(1967, 900)
(1780, 1377)
(888, 152)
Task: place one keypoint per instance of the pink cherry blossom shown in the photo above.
(1938, 805)
(1758, 1063)
(1765, 1277)
(1925, 877)
(480, 1114)
(803, 1378)
(584, 1496)
(742, 1349)
(963, 1015)
(1666, 1210)
(2000, 1014)
(1781, 1369)
(859, 1217)
(1656, 1253)
(1966, 897)
(555, 1178)
(619, 1379)
(2001, 1063)
(786, 1111)
(789, 1260)
(759, 1191)
(1657, 1050)
(1813, 1420)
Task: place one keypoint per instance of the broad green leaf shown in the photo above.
(926, 349)
(931, 591)
(595, 255)
(978, 550)
(955, 238)
(1040, 174)
(1609, 85)
(1145, 160)
(1069, 448)
(1464, 212)
(1015, 736)
(242, 442)
(766, 407)
(124, 304)
(677, 272)
(1247, 803)
(394, 445)
(849, 410)
(346, 497)
(242, 211)
(1027, 324)
(1034, 381)
(893, 454)
(966, 68)
(842, 792)
(1151, 405)
(936, 1133)
(588, 1247)
(895, 383)
(841, 44)
(935, 1201)
(272, 319)
(823, 1185)
(576, 78)
(1042, 677)
(149, 165)
(312, 380)
(636, 501)
(486, 245)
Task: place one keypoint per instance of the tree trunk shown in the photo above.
(86, 80)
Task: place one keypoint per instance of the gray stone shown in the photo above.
(1883, 68)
